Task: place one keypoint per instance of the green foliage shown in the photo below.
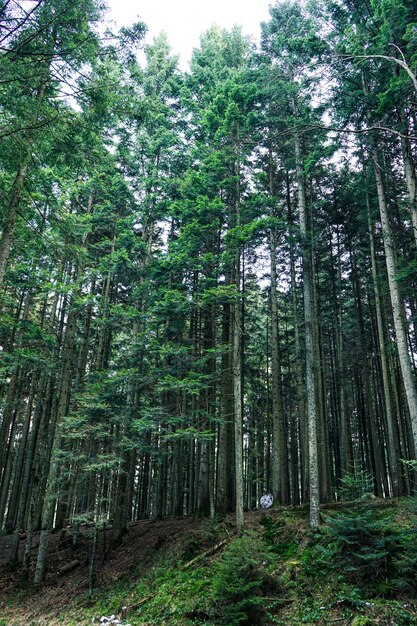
(182, 595)
(405, 559)
(134, 209)
(247, 583)
(279, 535)
(241, 579)
(373, 549)
(356, 485)
(361, 542)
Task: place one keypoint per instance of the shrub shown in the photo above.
(356, 485)
(279, 535)
(241, 580)
(405, 559)
(363, 544)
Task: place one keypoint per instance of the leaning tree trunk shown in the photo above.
(386, 383)
(9, 221)
(397, 304)
(395, 296)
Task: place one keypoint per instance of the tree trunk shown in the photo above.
(396, 302)
(386, 383)
(51, 489)
(237, 394)
(279, 456)
(225, 473)
(309, 339)
(9, 220)
(300, 392)
(410, 172)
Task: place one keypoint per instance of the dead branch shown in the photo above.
(209, 552)
(66, 569)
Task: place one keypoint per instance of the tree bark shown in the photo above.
(396, 301)
(237, 394)
(410, 173)
(386, 383)
(9, 220)
(279, 456)
(48, 510)
(309, 338)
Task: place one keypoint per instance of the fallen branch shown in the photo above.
(138, 604)
(209, 552)
(66, 569)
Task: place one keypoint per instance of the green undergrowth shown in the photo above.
(359, 569)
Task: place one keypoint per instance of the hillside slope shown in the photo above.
(358, 570)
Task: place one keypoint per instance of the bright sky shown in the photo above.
(185, 20)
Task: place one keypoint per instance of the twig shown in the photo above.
(135, 606)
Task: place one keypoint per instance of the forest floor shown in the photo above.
(183, 571)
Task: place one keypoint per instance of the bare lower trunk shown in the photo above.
(300, 398)
(237, 393)
(410, 174)
(280, 484)
(386, 383)
(396, 302)
(309, 340)
(10, 220)
(51, 489)
(225, 477)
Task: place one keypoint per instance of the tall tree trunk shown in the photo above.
(9, 220)
(300, 392)
(279, 456)
(19, 461)
(237, 394)
(48, 510)
(396, 301)
(309, 338)
(204, 495)
(225, 473)
(237, 360)
(410, 172)
(386, 383)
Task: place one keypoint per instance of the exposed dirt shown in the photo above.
(135, 554)
(136, 551)
(146, 542)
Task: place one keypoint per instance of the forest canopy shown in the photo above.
(208, 278)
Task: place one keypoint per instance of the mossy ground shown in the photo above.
(289, 576)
